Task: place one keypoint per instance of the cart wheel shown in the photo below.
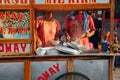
(74, 75)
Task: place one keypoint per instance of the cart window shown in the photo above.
(14, 24)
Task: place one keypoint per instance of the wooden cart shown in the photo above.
(31, 6)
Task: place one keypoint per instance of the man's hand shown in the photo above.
(68, 39)
(88, 34)
(38, 42)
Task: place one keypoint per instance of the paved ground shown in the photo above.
(116, 74)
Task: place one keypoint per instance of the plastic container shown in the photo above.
(104, 46)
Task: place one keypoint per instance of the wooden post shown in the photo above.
(103, 26)
(70, 68)
(112, 24)
(111, 67)
(32, 31)
(27, 70)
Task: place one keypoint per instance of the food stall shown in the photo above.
(18, 60)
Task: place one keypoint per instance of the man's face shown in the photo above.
(48, 15)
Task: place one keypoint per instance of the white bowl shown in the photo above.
(41, 51)
(55, 42)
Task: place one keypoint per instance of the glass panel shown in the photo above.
(95, 69)
(47, 70)
(14, 24)
(102, 1)
(12, 71)
(70, 1)
(61, 16)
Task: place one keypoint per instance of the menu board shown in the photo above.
(14, 24)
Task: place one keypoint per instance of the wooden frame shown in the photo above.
(21, 40)
(69, 59)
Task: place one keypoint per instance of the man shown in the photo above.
(48, 29)
(79, 26)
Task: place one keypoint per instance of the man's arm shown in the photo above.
(58, 29)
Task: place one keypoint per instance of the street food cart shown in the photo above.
(18, 60)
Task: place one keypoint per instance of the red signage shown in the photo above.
(17, 2)
(13, 30)
(9, 14)
(13, 47)
(50, 72)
